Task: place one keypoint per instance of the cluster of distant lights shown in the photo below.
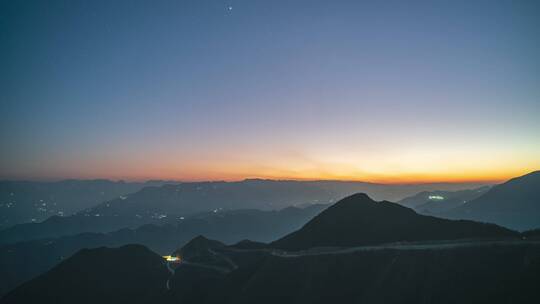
(41, 206)
(436, 197)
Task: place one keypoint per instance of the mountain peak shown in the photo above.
(359, 197)
(358, 220)
(360, 202)
(360, 206)
(199, 245)
(200, 238)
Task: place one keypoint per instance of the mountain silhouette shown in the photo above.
(358, 220)
(475, 274)
(111, 206)
(29, 201)
(514, 204)
(225, 226)
(197, 247)
(129, 274)
(434, 202)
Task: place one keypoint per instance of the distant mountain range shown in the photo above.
(514, 204)
(358, 220)
(57, 226)
(104, 206)
(433, 202)
(167, 203)
(25, 201)
(189, 198)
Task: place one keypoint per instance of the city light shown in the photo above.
(169, 258)
(436, 197)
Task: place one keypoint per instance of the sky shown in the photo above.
(382, 91)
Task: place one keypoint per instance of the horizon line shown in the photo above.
(397, 182)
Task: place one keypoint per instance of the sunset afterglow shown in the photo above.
(268, 90)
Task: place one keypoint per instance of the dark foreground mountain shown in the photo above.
(503, 272)
(483, 274)
(358, 220)
(129, 274)
(514, 204)
(532, 234)
(434, 202)
(465, 270)
(205, 253)
(20, 262)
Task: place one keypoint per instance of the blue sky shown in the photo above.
(382, 90)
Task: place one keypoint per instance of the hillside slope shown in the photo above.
(358, 220)
(129, 274)
(514, 204)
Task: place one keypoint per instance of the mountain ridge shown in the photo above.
(134, 274)
(514, 204)
(358, 220)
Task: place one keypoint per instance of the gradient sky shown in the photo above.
(381, 91)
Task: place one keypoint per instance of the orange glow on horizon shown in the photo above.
(403, 166)
(405, 178)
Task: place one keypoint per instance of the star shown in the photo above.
(229, 8)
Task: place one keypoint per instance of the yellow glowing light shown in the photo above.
(170, 258)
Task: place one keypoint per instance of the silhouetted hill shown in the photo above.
(57, 226)
(25, 201)
(197, 247)
(531, 234)
(248, 244)
(476, 273)
(434, 202)
(19, 262)
(483, 274)
(203, 251)
(358, 220)
(129, 274)
(514, 204)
